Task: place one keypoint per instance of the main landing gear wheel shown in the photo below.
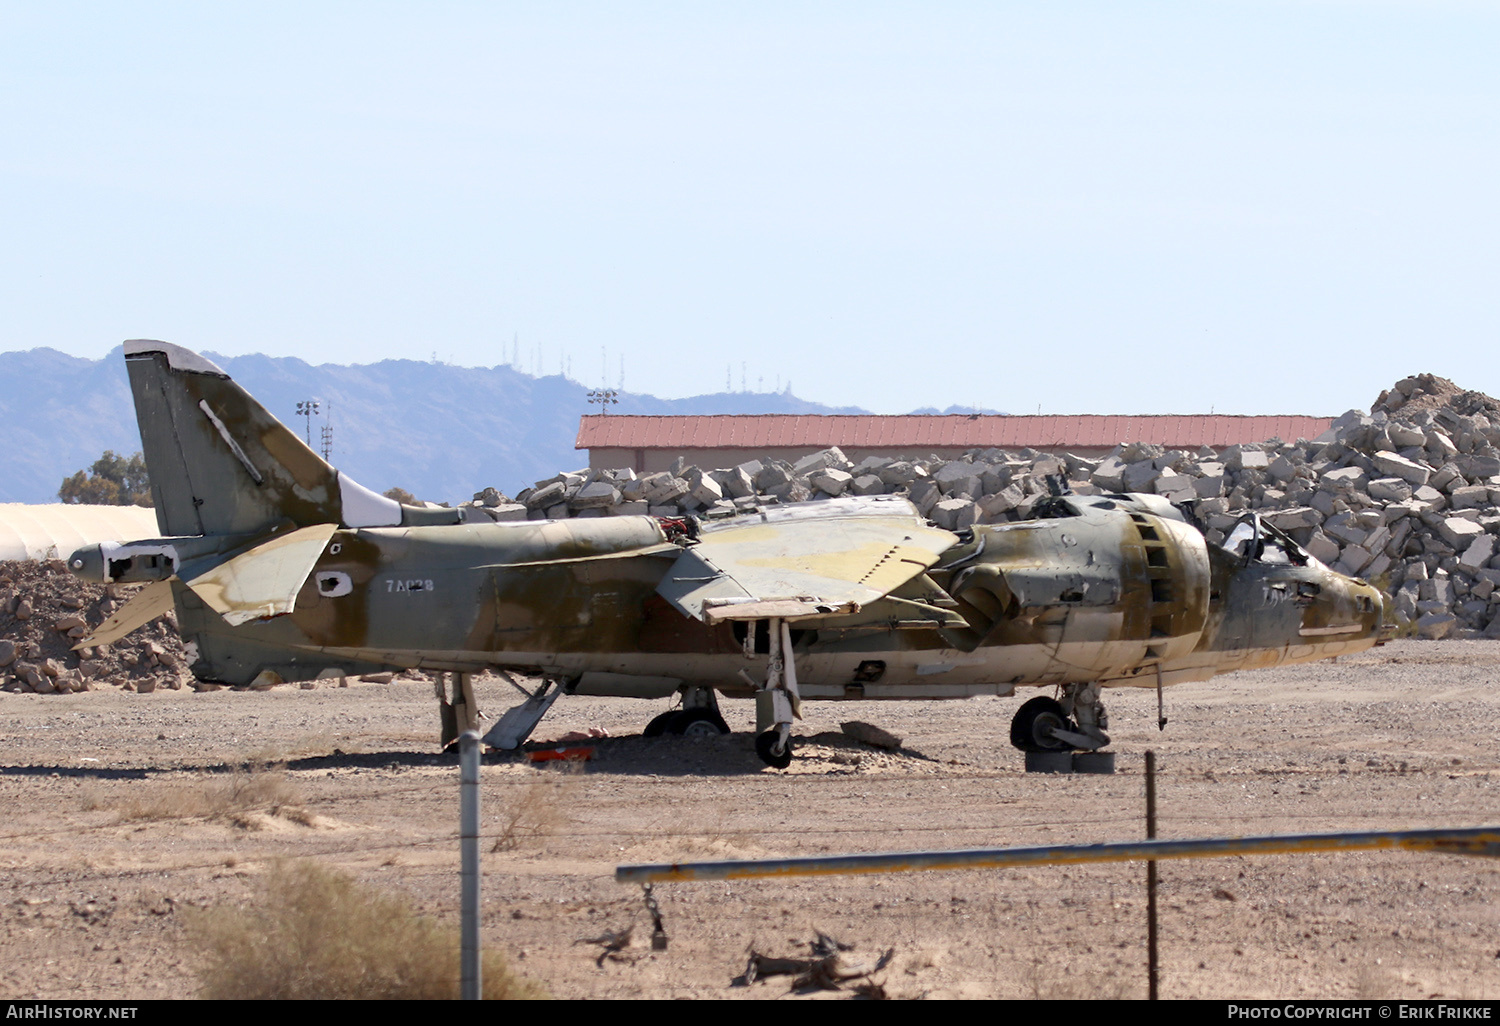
(658, 725)
(687, 723)
(1031, 729)
(698, 723)
(765, 747)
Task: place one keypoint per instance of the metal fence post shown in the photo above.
(468, 815)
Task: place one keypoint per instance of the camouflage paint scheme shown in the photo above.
(283, 569)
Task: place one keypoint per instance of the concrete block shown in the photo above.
(1048, 466)
(954, 514)
(994, 477)
(1110, 475)
(771, 477)
(1177, 488)
(1282, 469)
(1478, 467)
(1353, 559)
(1242, 457)
(1344, 479)
(1440, 445)
(1435, 626)
(1007, 498)
(1140, 476)
(1446, 478)
(738, 482)
(1459, 533)
(957, 479)
(595, 496)
(1345, 528)
(1294, 517)
(1390, 489)
(1390, 464)
(1430, 499)
(901, 474)
(1469, 497)
(665, 491)
(830, 457)
(1324, 502)
(546, 496)
(831, 482)
(1404, 436)
(1322, 548)
(1479, 552)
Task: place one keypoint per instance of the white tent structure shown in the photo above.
(54, 530)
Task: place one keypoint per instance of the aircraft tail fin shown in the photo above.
(220, 463)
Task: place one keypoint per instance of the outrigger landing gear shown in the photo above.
(774, 746)
(459, 713)
(1064, 736)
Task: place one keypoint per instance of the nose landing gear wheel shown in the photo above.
(765, 744)
(1031, 729)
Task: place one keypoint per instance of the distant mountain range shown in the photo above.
(439, 431)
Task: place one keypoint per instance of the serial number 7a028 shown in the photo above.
(393, 585)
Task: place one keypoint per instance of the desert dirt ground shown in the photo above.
(124, 812)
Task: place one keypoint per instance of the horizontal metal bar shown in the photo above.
(1471, 841)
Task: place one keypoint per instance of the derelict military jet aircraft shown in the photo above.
(281, 568)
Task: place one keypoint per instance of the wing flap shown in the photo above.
(798, 569)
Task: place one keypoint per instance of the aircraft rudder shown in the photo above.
(220, 463)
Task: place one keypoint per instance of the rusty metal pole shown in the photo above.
(470, 984)
(1151, 951)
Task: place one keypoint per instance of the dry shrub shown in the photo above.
(319, 934)
(533, 812)
(1046, 982)
(250, 788)
(1373, 983)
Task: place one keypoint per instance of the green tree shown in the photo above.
(113, 480)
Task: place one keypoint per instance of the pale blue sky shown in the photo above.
(1078, 207)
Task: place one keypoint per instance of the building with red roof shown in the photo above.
(652, 443)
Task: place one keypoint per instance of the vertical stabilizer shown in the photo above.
(221, 464)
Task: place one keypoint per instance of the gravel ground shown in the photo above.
(124, 812)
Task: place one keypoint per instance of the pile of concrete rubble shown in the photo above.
(44, 610)
(1406, 496)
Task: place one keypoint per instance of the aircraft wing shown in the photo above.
(798, 569)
